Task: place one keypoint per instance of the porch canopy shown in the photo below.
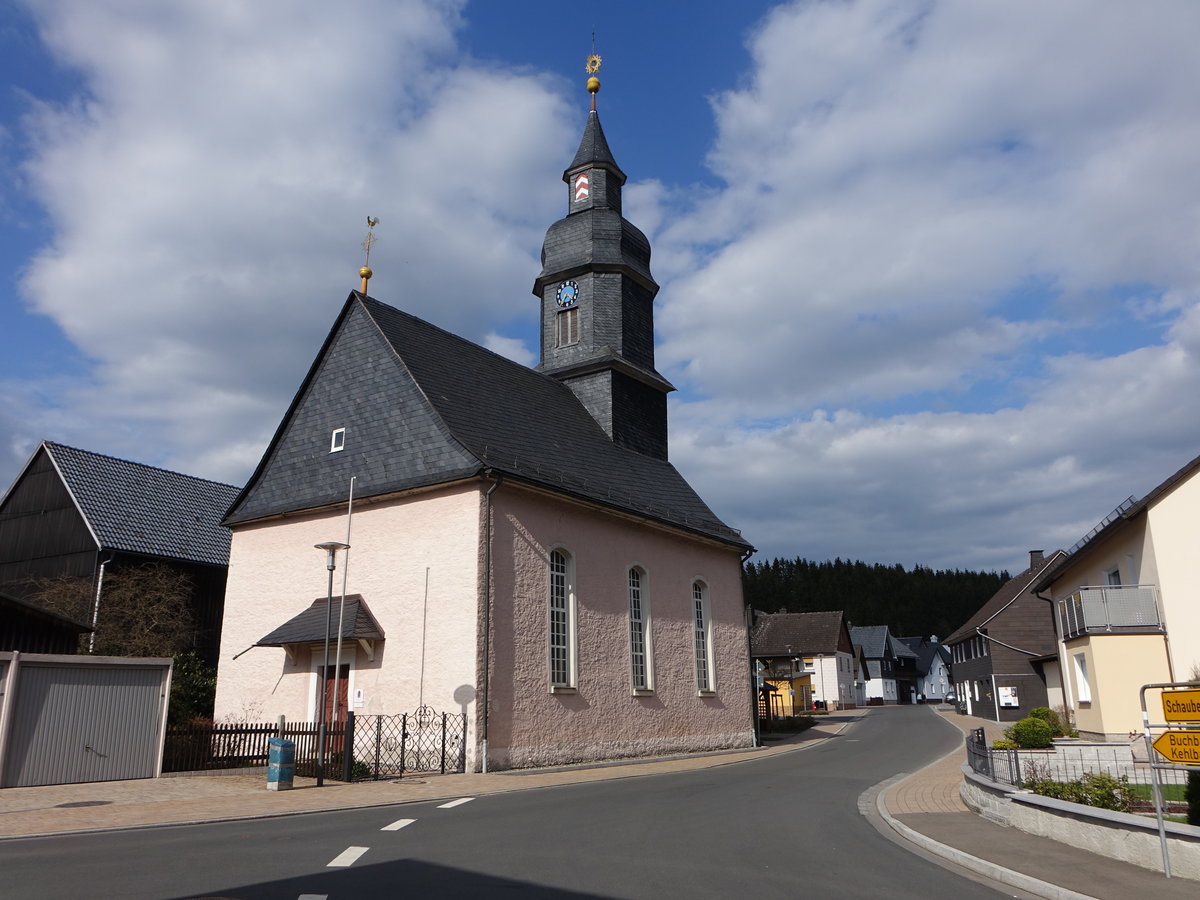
(309, 626)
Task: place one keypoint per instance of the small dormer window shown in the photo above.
(337, 440)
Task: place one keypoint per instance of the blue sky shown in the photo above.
(929, 269)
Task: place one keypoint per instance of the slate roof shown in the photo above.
(901, 650)
(137, 508)
(422, 407)
(925, 651)
(309, 626)
(796, 634)
(593, 148)
(1008, 593)
(874, 639)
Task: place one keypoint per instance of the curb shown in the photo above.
(983, 867)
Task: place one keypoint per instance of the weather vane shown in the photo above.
(365, 272)
(592, 67)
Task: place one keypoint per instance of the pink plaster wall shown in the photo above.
(531, 725)
(416, 563)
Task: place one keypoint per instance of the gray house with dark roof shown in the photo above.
(72, 512)
(891, 665)
(999, 653)
(521, 547)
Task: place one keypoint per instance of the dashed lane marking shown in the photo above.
(347, 857)
(453, 803)
(313, 897)
(397, 825)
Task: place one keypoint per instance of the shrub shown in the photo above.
(1066, 719)
(1030, 733)
(1004, 744)
(789, 723)
(1050, 717)
(1098, 789)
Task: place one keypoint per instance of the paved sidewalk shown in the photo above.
(147, 802)
(927, 803)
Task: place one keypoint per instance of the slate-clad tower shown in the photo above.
(597, 298)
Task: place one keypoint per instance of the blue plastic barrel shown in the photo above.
(281, 764)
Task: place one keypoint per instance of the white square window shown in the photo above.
(337, 440)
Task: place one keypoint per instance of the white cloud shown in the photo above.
(210, 193)
(939, 205)
(943, 305)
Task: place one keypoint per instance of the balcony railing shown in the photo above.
(1103, 609)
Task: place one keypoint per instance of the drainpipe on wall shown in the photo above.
(1064, 670)
(487, 611)
(754, 679)
(96, 605)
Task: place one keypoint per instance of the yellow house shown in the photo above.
(1125, 606)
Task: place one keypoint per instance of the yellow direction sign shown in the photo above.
(1179, 746)
(1181, 706)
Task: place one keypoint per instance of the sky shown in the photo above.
(930, 269)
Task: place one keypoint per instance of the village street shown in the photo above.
(774, 827)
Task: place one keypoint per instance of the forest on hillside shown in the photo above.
(916, 601)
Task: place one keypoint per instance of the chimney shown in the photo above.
(1035, 558)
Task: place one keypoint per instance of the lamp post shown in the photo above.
(331, 548)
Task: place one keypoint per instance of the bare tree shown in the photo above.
(143, 611)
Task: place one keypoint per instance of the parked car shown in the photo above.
(950, 698)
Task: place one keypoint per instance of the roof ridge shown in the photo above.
(54, 445)
(461, 340)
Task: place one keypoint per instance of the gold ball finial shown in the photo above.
(365, 273)
(592, 67)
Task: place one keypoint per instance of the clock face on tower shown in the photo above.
(567, 294)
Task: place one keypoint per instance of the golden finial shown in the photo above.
(365, 272)
(592, 67)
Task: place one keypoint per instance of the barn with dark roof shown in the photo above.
(72, 512)
(521, 548)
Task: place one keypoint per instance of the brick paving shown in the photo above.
(935, 788)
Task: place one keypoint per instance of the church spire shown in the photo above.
(597, 295)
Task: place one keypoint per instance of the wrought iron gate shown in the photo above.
(391, 746)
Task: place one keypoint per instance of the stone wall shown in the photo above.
(1124, 836)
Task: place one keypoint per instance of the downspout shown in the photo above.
(754, 679)
(96, 604)
(1064, 671)
(487, 610)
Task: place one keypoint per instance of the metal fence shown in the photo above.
(382, 746)
(1063, 762)
(424, 741)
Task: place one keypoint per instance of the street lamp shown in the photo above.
(331, 548)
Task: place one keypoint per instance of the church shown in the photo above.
(521, 549)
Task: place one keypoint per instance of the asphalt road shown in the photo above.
(783, 826)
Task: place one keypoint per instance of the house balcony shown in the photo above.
(1124, 609)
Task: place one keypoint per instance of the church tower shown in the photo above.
(597, 298)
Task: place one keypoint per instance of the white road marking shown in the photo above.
(347, 857)
(453, 803)
(313, 897)
(397, 825)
